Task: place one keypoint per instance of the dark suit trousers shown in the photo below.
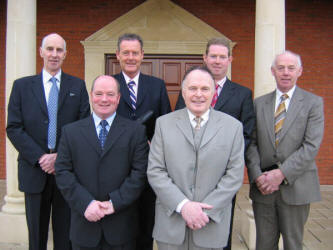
(146, 219)
(104, 245)
(38, 208)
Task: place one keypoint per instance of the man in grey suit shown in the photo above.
(193, 172)
(281, 157)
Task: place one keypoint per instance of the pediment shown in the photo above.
(164, 27)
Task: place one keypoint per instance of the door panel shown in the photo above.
(170, 68)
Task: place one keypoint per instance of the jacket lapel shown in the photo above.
(184, 125)
(38, 90)
(211, 128)
(294, 108)
(88, 131)
(64, 89)
(125, 94)
(142, 89)
(268, 110)
(226, 93)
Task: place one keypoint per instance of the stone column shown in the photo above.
(20, 61)
(269, 41)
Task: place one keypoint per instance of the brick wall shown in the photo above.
(309, 33)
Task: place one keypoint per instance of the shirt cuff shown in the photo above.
(180, 205)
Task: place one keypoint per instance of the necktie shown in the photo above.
(103, 133)
(52, 108)
(132, 94)
(198, 121)
(216, 95)
(279, 117)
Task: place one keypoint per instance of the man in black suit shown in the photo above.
(101, 171)
(38, 108)
(140, 94)
(230, 97)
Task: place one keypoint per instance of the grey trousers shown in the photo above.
(187, 245)
(279, 218)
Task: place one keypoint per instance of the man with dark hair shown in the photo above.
(281, 157)
(193, 172)
(230, 97)
(140, 94)
(38, 108)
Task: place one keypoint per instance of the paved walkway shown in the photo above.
(318, 231)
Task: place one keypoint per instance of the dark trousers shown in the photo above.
(228, 246)
(146, 219)
(38, 208)
(104, 245)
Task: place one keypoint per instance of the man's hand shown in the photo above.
(193, 214)
(270, 181)
(97, 210)
(46, 162)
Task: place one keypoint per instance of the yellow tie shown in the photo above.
(198, 120)
(279, 117)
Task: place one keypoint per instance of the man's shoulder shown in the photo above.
(307, 94)
(27, 79)
(154, 79)
(78, 123)
(239, 87)
(224, 117)
(68, 77)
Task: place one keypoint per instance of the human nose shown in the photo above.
(54, 53)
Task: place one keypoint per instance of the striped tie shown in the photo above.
(52, 108)
(132, 94)
(198, 121)
(279, 117)
(103, 133)
(216, 95)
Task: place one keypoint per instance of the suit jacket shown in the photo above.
(301, 136)
(234, 100)
(213, 177)
(84, 173)
(152, 95)
(27, 123)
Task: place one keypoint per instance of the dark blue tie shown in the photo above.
(52, 108)
(103, 133)
(131, 85)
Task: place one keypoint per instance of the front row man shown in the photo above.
(100, 170)
(281, 157)
(195, 167)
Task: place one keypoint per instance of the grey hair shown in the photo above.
(47, 36)
(298, 57)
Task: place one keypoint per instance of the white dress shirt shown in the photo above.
(48, 84)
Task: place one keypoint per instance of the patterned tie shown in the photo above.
(103, 133)
(216, 95)
(132, 94)
(279, 117)
(52, 108)
(198, 121)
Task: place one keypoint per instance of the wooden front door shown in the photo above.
(170, 68)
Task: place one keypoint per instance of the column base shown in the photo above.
(13, 228)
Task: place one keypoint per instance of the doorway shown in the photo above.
(170, 68)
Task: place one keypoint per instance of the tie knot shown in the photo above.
(131, 84)
(104, 123)
(53, 80)
(198, 121)
(284, 97)
(217, 87)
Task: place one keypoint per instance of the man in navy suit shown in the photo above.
(101, 171)
(230, 97)
(30, 116)
(140, 94)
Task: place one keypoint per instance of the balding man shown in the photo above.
(38, 108)
(101, 171)
(193, 172)
(281, 157)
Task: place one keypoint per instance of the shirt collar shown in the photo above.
(128, 79)
(97, 119)
(204, 117)
(222, 82)
(47, 76)
(289, 93)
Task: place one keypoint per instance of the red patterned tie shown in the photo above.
(216, 95)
